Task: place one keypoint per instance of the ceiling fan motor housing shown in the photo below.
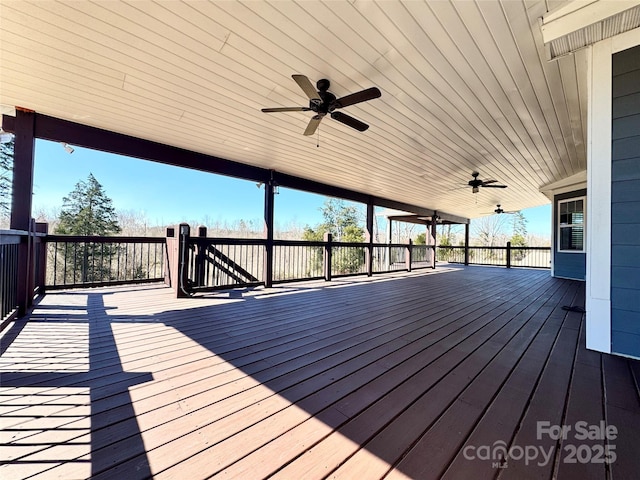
(475, 183)
(323, 85)
(327, 105)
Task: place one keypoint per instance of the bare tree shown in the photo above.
(134, 223)
(490, 231)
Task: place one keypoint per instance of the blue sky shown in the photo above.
(169, 195)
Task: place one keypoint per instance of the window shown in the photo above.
(571, 225)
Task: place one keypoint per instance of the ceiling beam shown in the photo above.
(448, 218)
(424, 220)
(59, 130)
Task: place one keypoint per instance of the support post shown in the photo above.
(184, 232)
(369, 240)
(268, 232)
(22, 188)
(407, 255)
(327, 256)
(22, 182)
(200, 257)
(41, 257)
(434, 230)
(31, 267)
(431, 240)
(508, 254)
(466, 244)
(171, 258)
(434, 236)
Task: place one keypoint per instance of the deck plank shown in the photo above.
(376, 404)
(501, 420)
(105, 417)
(405, 433)
(305, 380)
(354, 377)
(323, 399)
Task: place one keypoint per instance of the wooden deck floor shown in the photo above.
(425, 375)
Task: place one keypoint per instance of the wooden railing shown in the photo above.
(297, 260)
(21, 270)
(9, 244)
(196, 264)
(507, 256)
(90, 261)
(217, 263)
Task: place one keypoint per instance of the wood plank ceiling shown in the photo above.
(465, 86)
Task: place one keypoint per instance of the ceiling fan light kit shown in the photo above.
(323, 102)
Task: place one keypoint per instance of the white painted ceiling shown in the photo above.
(465, 86)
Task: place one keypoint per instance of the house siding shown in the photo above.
(567, 265)
(625, 203)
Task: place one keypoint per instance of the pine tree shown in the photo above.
(341, 220)
(519, 236)
(87, 211)
(6, 167)
(519, 228)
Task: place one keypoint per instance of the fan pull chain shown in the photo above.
(318, 142)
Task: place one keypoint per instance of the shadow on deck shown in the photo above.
(434, 374)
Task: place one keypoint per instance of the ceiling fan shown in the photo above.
(323, 102)
(500, 210)
(475, 184)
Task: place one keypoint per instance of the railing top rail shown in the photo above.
(400, 245)
(226, 241)
(102, 239)
(349, 244)
(300, 243)
(294, 243)
(10, 239)
(13, 232)
(513, 247)
(13, 236)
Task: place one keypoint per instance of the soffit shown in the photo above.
(465, 86)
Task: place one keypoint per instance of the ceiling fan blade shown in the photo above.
(313, 125)
(349, 121)
(363, 96)
(494, 186)
(286, 109)
(306, 86)
(485, 182)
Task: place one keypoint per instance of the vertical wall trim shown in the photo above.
(553, 236)
(598, 278)
(599, 122)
